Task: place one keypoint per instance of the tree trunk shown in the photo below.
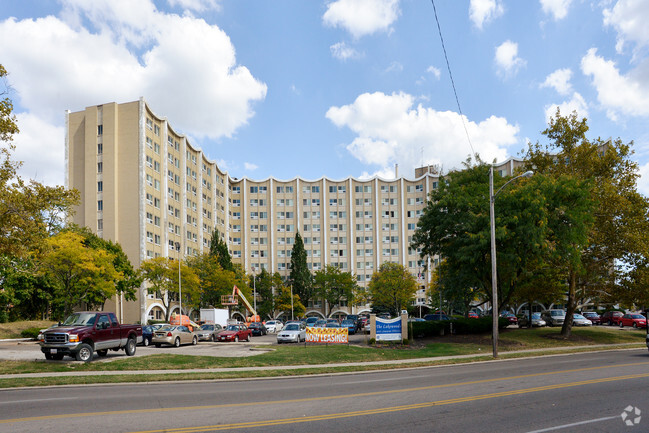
(566, 329)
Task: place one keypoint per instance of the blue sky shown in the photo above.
(339, 88)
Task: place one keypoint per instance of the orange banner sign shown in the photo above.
(327, 335)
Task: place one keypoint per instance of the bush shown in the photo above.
(462, 326)
(30, 333)
(429, 328)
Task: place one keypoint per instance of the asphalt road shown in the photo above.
(564, 393)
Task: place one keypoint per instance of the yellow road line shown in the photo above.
(308, 399)
(332, 416)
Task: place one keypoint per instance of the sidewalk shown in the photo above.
(310, 366)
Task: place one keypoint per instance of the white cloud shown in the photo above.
(576, 103)
(483, 11)
(40, 146)
(250, 166)
(389, 130)
(77, 60)
(629, 18)
(507, 59)
(559, 80)
(342, 51)
(435, 71)
(362, 17)
(557, 8)
(643, 180)
(617, 93)
(196, 5)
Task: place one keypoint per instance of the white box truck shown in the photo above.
(215, 315)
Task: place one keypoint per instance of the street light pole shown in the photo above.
(180, 287)
(494, 276)
(254, 290)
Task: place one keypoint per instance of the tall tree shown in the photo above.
(214, 281)
(616, 249)
(81, 275)
(162, 275)
(268, 287)
(300, 277)
(283, 303)
(392, 288)
(332, 286)
(219, 249)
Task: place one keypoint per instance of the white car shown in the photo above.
(579, 320)
(274, 326)
(292, 333)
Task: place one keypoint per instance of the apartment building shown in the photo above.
(143, 184)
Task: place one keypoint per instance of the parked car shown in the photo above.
(367, 328)
(415, 319)
(633, 319)
(209, 331)
(311, 321)
(257, 328)
(553, 317)
(592, 316)
(523, 321)
(513, 320)
(579, 320)
(358, 321)
(332, 320)
(350, 325)
(147, 334)
(611, 317)
(473, 315)
(320, 323)
(174, 335)
(292, 333)
(333, 325)
(274, 326)
(235, 333)
(436, 316)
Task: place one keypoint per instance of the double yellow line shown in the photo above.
(341, 415)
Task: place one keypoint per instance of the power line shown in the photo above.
(448, 66)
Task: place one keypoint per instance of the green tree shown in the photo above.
(162, 275)
(214, 281)
(267, 286)
(283, 302)
(333, 286)
(392, 288)
(219, 249)
(300, 277)
(81, 275)
(615, 250)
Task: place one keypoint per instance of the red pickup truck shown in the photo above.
(83, 333)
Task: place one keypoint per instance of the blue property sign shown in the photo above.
(388, 329)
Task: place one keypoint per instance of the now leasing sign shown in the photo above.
(327, 335)
(388, 329)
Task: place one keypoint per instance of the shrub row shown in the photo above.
(462, 326)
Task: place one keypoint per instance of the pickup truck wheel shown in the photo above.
(130, 347)
(85, 353)
(177, 342)
(194, 341)
(49, 356)
(103, 352)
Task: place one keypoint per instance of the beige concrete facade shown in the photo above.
(145, 186)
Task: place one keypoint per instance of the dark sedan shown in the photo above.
(147, 334)
(592, 316)
(257, 328)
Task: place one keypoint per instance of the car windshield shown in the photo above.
(270, 322)
(536, 315)
(578, 316)
(292, 327)
(557, 313)
(80, 319)
(233, 328)
(636, 316)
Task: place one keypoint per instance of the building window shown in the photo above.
(100, 129)
(100, 186)
(100, 167)
(100, 224)
(100, 148)
(100, 205)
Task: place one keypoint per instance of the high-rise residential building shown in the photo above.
(144, 185)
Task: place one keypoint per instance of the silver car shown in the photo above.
(553, 317)
(274, 326)
(209, 331)
(174, 336)
(579, 320)
(292, 333)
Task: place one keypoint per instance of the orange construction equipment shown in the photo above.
(186, 321)
(234, 300)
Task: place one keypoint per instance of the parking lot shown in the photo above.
(30, 350)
